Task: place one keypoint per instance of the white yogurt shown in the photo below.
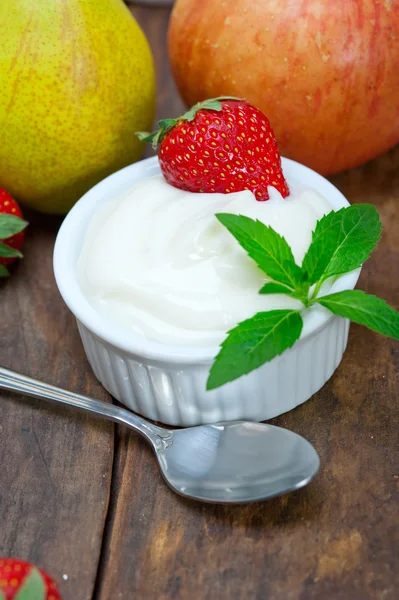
(158, 262)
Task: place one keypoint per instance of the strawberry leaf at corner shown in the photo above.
(364, 309)
(254, 342)
(33, 588)
(10, 225)
(341, 242)
(268, 249)
(8, 252)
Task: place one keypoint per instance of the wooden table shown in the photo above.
(85, 500)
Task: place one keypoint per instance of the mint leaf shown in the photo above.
(254, 342)
(3, 271)
(300, 293)
(10, 225)
(266, 247)
(324, 240)
(8, 252)
(342, 241)
(275, 288)
(33, 587)
(364, 309)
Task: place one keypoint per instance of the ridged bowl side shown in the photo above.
(175, 394)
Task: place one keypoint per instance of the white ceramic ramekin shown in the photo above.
(167, 383)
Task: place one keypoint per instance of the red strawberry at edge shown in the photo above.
(18, 577)
(220, 145)
(9, 206)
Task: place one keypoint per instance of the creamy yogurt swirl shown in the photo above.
(158, 262)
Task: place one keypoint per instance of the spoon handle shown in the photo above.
(16, 382)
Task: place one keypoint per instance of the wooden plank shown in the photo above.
(154, 23)
(56, 464)
(333, 540)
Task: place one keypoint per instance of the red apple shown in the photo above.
(326, 73)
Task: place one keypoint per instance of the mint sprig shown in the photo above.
(364, 309)
(272, 287)
(341, 242)
(255, 341)
(268, 249)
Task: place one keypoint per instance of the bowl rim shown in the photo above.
(66, 278)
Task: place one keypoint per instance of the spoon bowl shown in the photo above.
(229, 462)
(237, 462)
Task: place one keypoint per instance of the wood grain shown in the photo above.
(56, 464)
(154, 23)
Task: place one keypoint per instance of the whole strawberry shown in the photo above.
(220, 145)
(19, 580)
(12, 232)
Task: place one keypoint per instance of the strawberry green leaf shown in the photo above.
(145, 136)
(210, 104)
(2, 596)
(10, 225)
(189, 115)
(363, 309)
(221, 98)
(254, 342)
(167, 123)
(206, 105)
(4, 273)
(266, 247)
(153, 138)
(342, 241)
(33, 588)
(8, 252)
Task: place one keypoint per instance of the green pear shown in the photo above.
(77, 81)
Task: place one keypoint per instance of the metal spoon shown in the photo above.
(230, 462)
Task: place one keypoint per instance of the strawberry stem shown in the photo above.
(165, 125)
